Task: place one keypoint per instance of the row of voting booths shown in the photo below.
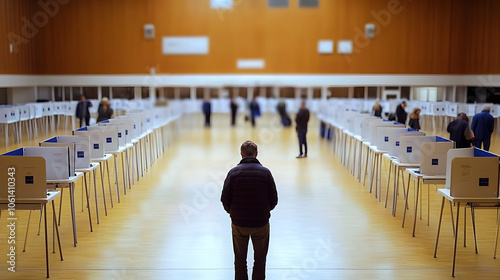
(59, 162)
(414, 158)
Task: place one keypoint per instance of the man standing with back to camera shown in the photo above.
(249, 195)
(301, 119)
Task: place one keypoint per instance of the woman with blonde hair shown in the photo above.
(415, 119)
(104, 112)
(377, 109)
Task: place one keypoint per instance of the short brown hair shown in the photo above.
(248, 149)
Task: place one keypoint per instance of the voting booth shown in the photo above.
(409, 147)
(96, 141)
(110, 133)
(433, 157)
(57, 160)
(472, 172)
(121, 130)
(81, 148)
(394, 138)
(29, 174)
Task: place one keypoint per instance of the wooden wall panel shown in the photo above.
(22, 61)
(413, 37)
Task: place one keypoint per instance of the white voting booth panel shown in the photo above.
(120, 134)
(128, 128)
(57, 161)
(24, 112)
(409, 148)
(472, 172)
(111, 143)
(394, 136)
(137, 121)
(433, 157)
(96, 139)
(29, 176)
(383, 135)
(71, 154)
(474, 177)
(438, 109)
(375, 126)
(82, 148)
(357, 123)
(454, 153)
(365, 127)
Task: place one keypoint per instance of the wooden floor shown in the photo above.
(171, 224)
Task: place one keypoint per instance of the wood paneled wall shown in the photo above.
(13, 30)
(413, 37)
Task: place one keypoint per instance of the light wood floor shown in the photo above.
(171, 225)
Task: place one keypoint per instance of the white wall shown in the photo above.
(21, 95)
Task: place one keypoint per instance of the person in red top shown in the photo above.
(249, 194)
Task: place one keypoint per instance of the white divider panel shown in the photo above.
(111, 143)
(82, 148)
(374, 126)
(57, 160)
(454, 153)
(394, 139)
(96, 140)
(120, 132)
(433, 157)
(24, 112)
(452, 110)
(365, 127)
(128, 128)
(384, 134)
(409, 148)
(357, 123)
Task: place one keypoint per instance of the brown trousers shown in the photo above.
(260, 242)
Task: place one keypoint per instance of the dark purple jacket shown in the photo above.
(249, 193)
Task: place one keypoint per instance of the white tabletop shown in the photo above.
(446, 194)
(105, 158)
(50, 196)
(93, 165)
(70, 180)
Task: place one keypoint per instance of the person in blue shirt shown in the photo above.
(482, 126)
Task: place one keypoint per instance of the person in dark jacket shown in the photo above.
(82, 110)
(254, 110)
(234, 109)
(401, 114)
(301, 119)
(459, 131)
(414, 121)
(249, 194)
(207, 110)
(482, 126)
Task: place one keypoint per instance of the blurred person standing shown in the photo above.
(104, 112)
(254, 110)
(482, 126)
(414, 121)
(207, 111)
(301, 120)
(401, 114)
(82, 110)
(234, 109)
(377, 109)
